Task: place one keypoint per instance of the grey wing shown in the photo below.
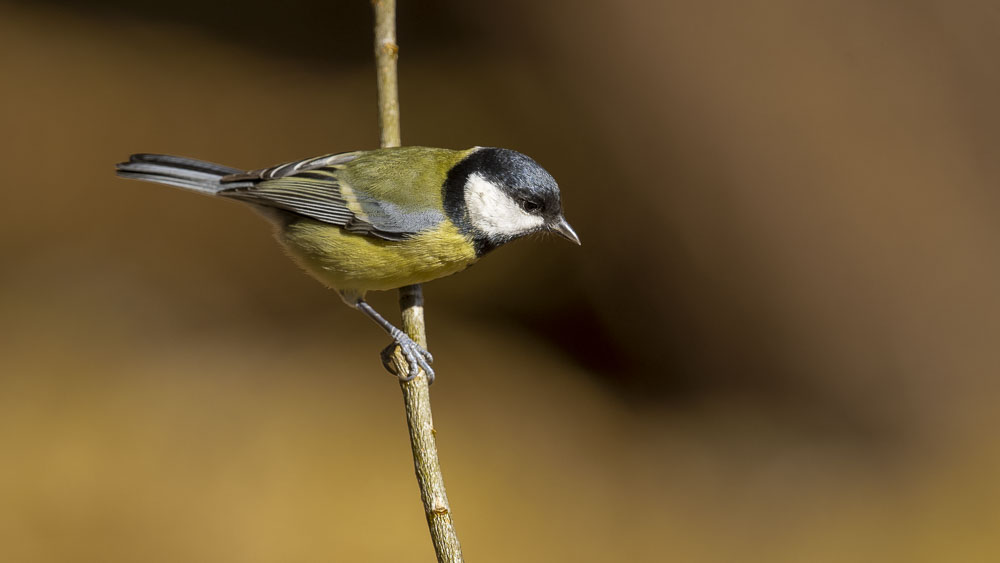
(311, 188)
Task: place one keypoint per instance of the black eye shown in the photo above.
(530, 206)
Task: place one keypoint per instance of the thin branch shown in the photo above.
(416, 393)
(386, 53)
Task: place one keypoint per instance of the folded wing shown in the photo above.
(313, 188)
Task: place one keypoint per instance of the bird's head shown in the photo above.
(498, 195)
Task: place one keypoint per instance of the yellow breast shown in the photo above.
(348, 261)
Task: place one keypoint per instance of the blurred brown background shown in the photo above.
(777, 343)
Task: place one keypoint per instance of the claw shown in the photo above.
(387, 362)
(416, 358)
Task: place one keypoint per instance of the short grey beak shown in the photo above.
(563, 229)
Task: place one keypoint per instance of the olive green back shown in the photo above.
(409, 177)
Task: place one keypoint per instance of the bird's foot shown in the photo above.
(416, 358)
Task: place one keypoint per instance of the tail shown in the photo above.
(177, 171)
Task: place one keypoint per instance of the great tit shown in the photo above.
(383, 219)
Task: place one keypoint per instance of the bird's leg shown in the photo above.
(416, 356)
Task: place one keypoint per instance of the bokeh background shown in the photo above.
(778, 342)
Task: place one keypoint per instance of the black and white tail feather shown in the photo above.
(188, 173)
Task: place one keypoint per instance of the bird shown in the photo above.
(375, 220)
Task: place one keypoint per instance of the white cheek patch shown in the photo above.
(493, 212)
